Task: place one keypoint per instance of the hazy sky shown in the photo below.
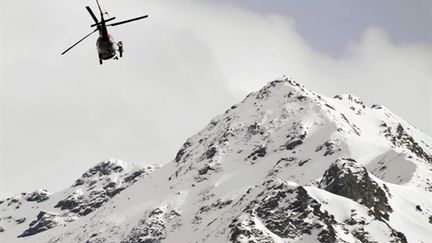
(185, 64)
(329, 25)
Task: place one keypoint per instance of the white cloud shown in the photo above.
(251, 49)
(188, 62)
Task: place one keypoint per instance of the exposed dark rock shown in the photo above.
(43, 222)
(95, 238)
(302, 162)
(219, 204)
(110, 186)
(253, 129)
(38, 196)
(295, 137)
(210, 153)
(398, 237)
(330, 146)
(339, 97)
(351, 98)
(105, 168)
(246, 231)
(301, 97)
(204, 170)
(134, 175)
(293, 144)
(2, 230)
(354, 128)
(79, 182)
(92, 199)
(70, 202)
(213, 124)
(93, 202)
(263, 94)
(348, 179)
(283, 209)
(151, 229)
(286, 160)
(288, 221)
(359, 223)
(102, 169)
(282, 163)
(182, 151)
(114, 191)
(225, 136)
(329, 106)
(20, 220)
(401, 138)
(84, 205)
(14, 200)
(258, 152)
(204, 209)
(362, 235)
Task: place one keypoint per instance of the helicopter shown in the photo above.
(106, 46)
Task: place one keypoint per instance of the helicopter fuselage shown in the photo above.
(107, 47)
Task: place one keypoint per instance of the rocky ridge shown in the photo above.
(284, 165)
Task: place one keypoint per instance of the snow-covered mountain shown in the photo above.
(284, 165)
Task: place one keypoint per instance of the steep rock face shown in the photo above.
(45, 221)
(399, 137)
(152, 228)
(285, 210)
(98, 185)
(93, 189)
(38, 196)
(284, 165)
(16, 201)
(347, 178)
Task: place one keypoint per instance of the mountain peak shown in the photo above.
(284, 165)
(285, 87)
(288, 121)
(103, 168)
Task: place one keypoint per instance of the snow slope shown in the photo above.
(284, 165)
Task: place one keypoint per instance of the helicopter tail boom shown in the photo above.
(100, 9)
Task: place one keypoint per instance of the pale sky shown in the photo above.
(329, 25)
(188, 62)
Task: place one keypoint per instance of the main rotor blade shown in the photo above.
(79, 41)
(107, 20)
(127, 21)
(92, 14)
